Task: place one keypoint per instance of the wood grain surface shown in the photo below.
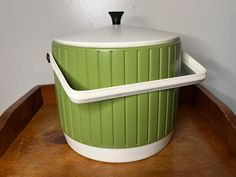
(195, 150)
(220, 117)
(17, 116)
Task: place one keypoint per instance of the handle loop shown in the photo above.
(86, 96)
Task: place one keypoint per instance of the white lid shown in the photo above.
(117, 36)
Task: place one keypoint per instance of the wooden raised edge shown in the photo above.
(18, 115)
(220, 117)
(48, 94)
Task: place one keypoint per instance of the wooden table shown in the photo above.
(195, 150)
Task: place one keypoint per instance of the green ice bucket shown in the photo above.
(117, 90)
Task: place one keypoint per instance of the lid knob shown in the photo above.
(116, 17)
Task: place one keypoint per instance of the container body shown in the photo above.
(122, 122)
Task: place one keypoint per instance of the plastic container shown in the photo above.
(117, 89)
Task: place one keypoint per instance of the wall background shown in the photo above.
(27, 27)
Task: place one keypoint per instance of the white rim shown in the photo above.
(117, 36)
(114, 45)
(118, 155)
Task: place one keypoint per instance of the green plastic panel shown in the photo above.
(122, 122)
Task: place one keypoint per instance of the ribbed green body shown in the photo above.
(122, 122)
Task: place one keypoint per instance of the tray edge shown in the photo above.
(15, 118)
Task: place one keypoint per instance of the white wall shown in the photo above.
(27, 27)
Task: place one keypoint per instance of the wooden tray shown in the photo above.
(32, 143)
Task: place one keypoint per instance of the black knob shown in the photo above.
(116, 17)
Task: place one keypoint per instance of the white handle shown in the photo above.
(86, 96)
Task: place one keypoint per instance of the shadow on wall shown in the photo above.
(216, 72)
(203, 53)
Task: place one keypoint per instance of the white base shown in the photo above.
(118, 155)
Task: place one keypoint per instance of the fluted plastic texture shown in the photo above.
(123, 122)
